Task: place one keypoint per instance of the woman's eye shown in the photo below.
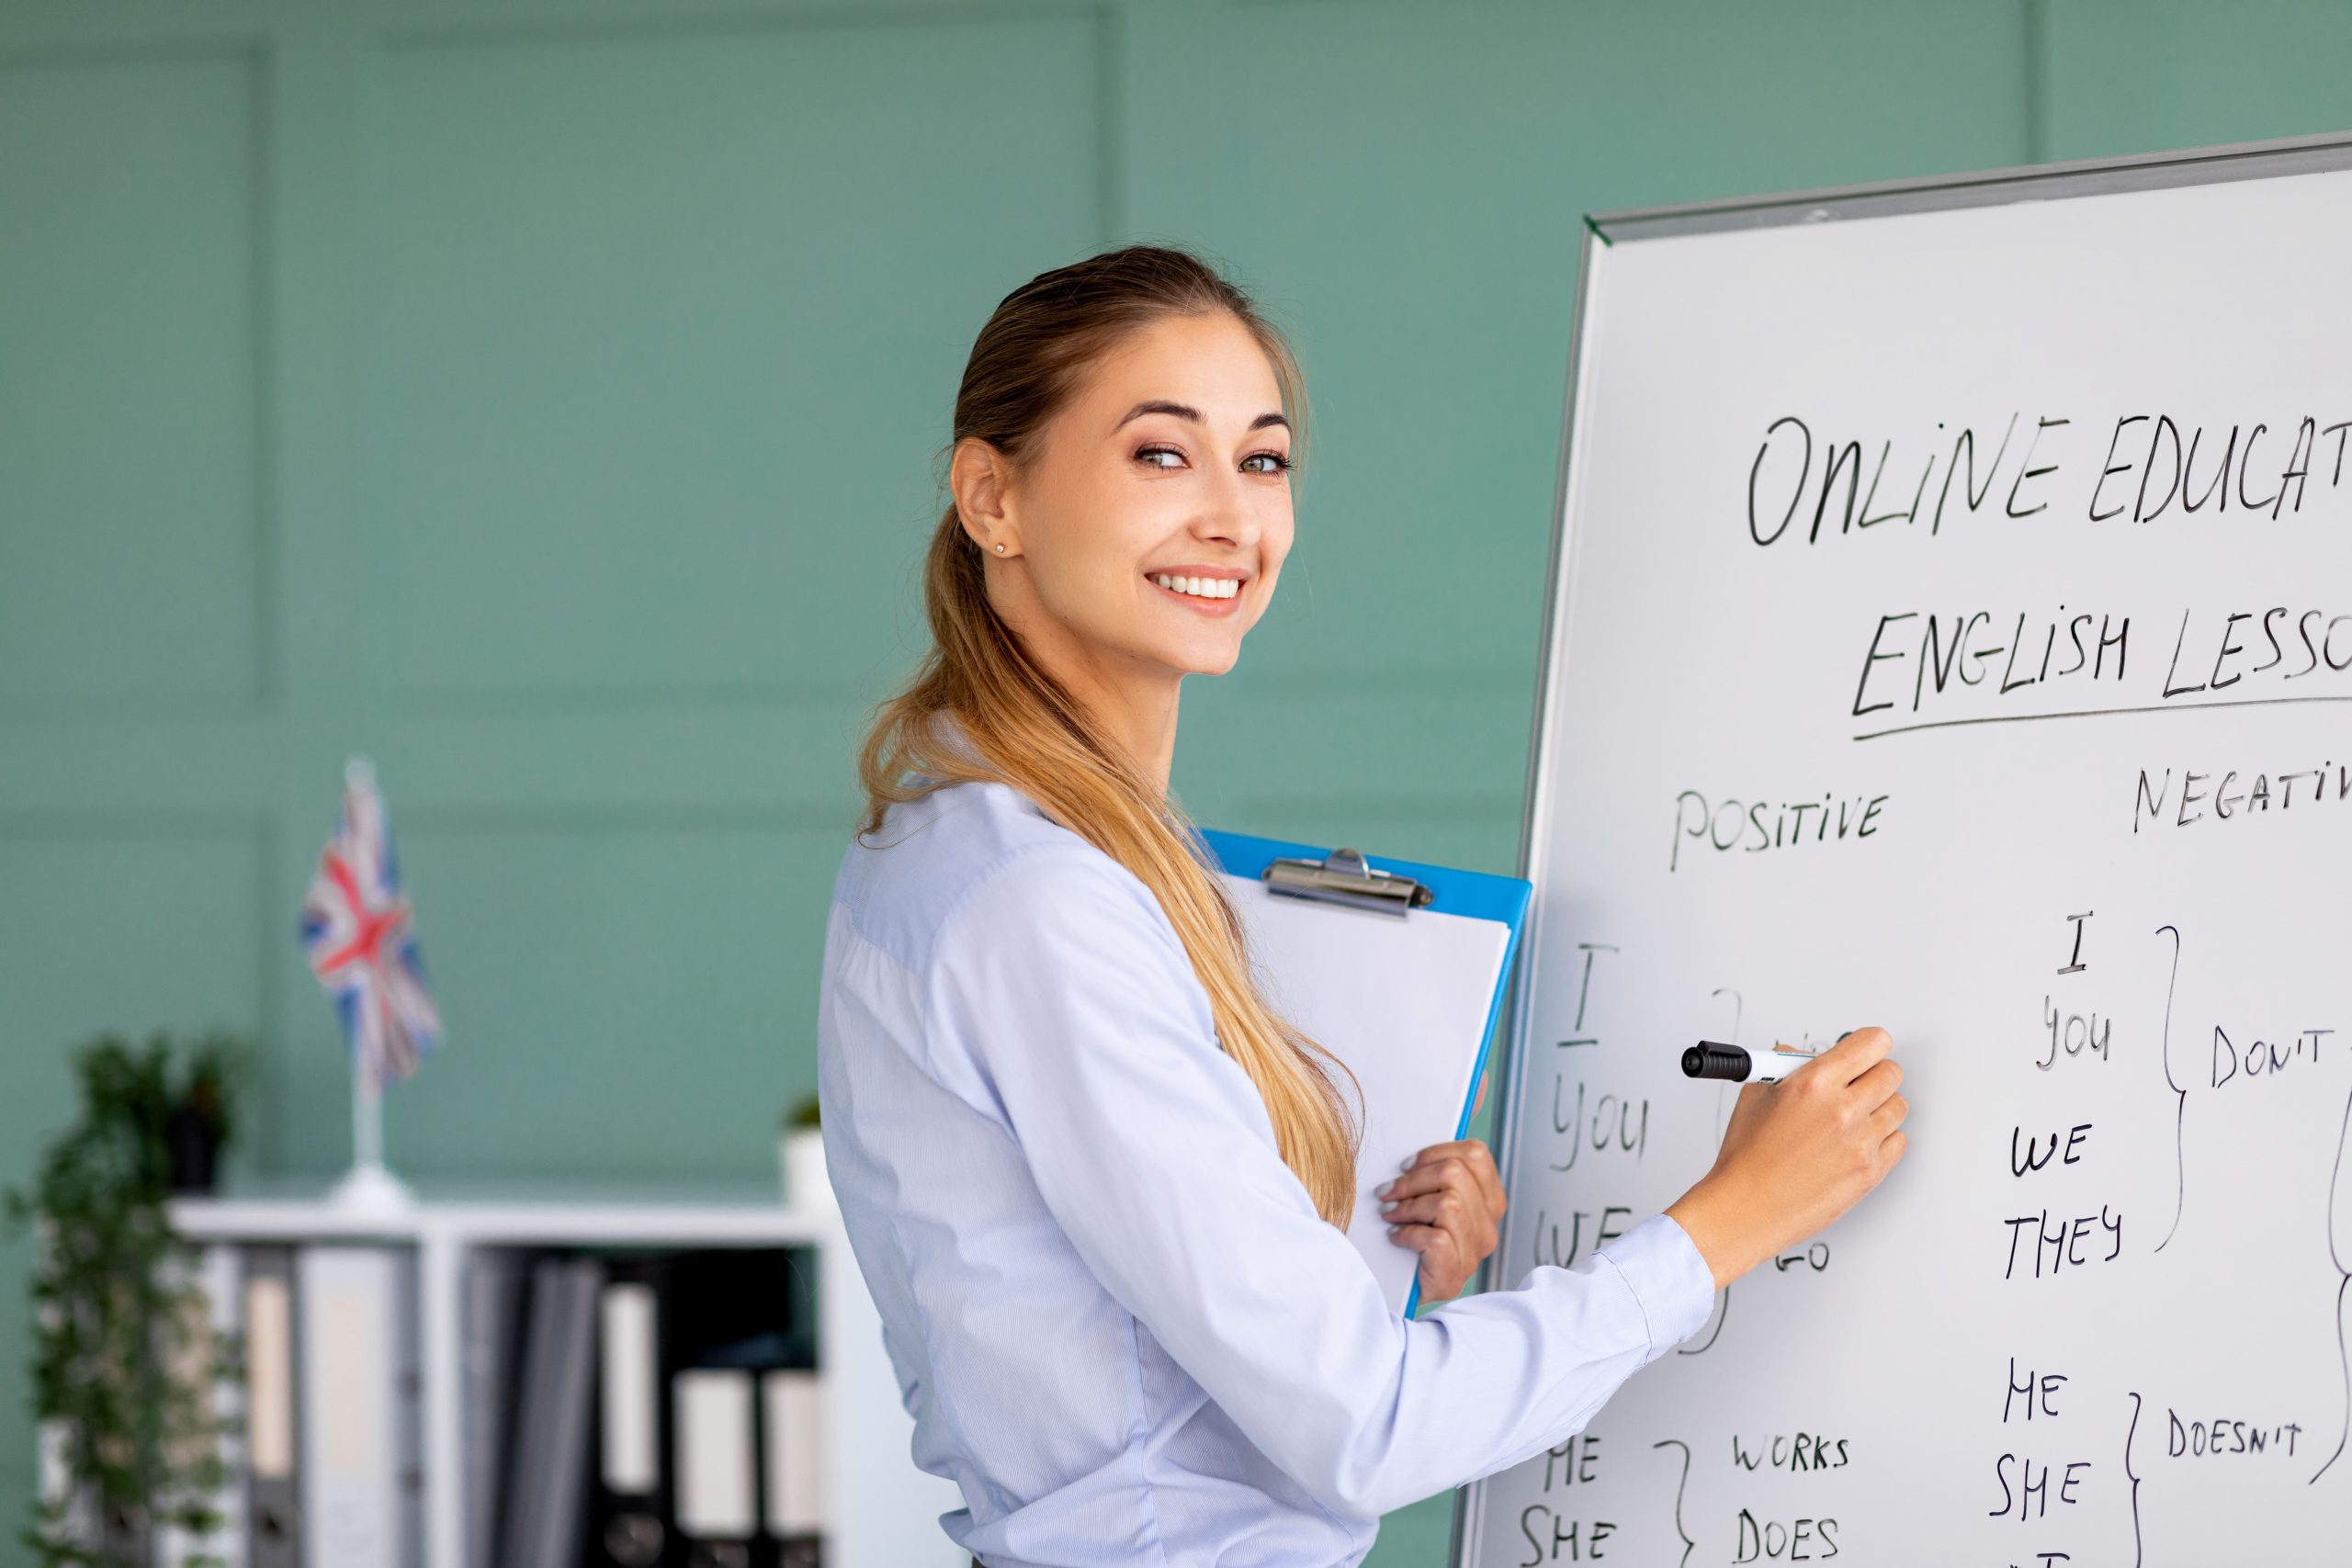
(1276, 462)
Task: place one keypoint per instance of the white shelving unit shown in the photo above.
(883, 1512)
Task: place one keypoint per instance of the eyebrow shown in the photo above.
(1185, 411)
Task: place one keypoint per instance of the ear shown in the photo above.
(981, 476)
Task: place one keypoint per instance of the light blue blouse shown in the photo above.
(1120, 1324)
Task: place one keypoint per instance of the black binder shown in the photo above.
(273, 1408)
(542, 1515)
(631, 1521)
(739, 1313)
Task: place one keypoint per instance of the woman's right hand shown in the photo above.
(1798, 1154)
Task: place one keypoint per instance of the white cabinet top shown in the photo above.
(536, 1211)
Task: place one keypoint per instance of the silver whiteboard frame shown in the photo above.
(1990, 188)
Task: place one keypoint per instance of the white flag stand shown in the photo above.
(369, 1187)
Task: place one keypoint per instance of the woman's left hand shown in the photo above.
(1446, 1207)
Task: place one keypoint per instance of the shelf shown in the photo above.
(529, 1214)
(883, 1510)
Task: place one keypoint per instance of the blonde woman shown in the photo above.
(1096, 1185)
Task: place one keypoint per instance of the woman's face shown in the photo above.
(1147, 527)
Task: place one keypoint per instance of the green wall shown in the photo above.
(542, 398)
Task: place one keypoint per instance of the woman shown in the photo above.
(1096, 1186)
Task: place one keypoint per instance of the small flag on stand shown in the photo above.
(358, 931)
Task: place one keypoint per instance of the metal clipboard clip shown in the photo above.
(1344, 878)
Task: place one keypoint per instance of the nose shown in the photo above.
(1227, 515)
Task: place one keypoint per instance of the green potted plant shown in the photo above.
(202, 1120)
(801, 1150)
(126, 1359)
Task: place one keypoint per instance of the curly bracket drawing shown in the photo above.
(2133, 1479)
(1689, 1545)
(1723, 1310)
(2180, 1111)
(2338, 1250)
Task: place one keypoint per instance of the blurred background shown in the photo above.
(543, 400)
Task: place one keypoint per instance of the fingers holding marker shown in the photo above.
(1795, 1154)
(1856, 1052)
(1875, 1086)
(1887, 1118)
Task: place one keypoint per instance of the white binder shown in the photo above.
(361, 1487)
(793, 1424)
(717, 1483)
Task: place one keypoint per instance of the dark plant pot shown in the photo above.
(192, 1141)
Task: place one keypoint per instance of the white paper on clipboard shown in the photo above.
(1405, 1003)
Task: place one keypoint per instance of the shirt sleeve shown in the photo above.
(902, 1369)
(1063, 997)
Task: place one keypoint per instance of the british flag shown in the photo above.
(358, 929)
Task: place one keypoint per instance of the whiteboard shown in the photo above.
(1800, 768)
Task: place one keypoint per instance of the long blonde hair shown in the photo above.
(1016, 725)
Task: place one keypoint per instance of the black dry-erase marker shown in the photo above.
(1708, 1059)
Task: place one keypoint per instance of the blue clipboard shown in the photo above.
(1399, 969)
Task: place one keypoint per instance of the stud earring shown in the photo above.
(1000, 549)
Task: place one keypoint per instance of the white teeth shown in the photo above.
(1198, 587)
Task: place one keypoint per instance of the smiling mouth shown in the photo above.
(1198, 587)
